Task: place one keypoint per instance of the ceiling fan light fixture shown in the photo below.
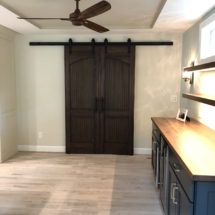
(77, 22)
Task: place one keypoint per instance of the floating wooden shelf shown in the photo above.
(206, 66)
(207, 99)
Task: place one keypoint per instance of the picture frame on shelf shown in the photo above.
(182, 114)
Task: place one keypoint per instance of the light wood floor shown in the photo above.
(57, 183)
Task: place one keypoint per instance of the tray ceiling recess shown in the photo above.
(124, 16)
(135, 14)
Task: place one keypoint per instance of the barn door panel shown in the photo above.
(117, 94)
(81, 98)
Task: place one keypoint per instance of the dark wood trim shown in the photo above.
(210, 65)
(132, 96)
(97, 120)
(207, 99)
(101, 62)
(67, 96)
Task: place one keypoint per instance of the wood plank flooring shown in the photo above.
(57, 183)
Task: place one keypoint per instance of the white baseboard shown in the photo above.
(27, 148)
(142, 151)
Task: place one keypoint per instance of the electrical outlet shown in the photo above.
(40, 134)
(173, 98)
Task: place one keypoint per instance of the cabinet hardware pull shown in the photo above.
(175, 168)
(173, 200)
(171, 190)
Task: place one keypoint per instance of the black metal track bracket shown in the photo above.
(93, 45)
(129, 45)
(70, 46)
(106, 45)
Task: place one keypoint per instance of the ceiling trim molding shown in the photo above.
(91, 33)
(158, 12)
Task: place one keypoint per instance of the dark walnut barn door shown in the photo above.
(117, 94)
(99, 99)
(81, 83)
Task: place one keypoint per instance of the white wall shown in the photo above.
(40, 86)
(8, 126)
(203, 81)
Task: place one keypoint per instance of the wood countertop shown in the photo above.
(194, 145)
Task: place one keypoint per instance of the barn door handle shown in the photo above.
(103, 105)
(96, 105)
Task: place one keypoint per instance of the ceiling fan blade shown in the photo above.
(95, 10)
(95, 27)
(43, 18)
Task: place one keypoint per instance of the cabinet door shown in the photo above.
(163, 174)
(184, 206)
(171, 203)
(178, 202)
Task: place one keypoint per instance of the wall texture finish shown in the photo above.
(203, 81)
(40, 87)
(8, 125)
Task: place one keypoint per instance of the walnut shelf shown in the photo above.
(206, 66)
(207, 99)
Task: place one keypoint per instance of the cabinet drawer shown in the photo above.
(184, 179)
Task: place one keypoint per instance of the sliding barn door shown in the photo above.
(99, 99)
(81, 82)
(117, 95)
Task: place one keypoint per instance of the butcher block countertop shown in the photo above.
(193, 144)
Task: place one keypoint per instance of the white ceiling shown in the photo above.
(159, 15)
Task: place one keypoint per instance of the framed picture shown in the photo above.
(182, 114)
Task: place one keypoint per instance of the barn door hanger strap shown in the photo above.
(129, 43)
(93, 45)
(70, 46)
(106, 45)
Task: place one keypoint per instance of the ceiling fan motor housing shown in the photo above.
(74, 18)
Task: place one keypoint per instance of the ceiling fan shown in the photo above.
(79, 18)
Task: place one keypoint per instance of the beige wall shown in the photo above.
(40, 86)
(8, 126)
(203, 81)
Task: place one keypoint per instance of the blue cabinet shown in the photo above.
(178, 202)
(187, 197)
(180, 193)
(204, 198)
